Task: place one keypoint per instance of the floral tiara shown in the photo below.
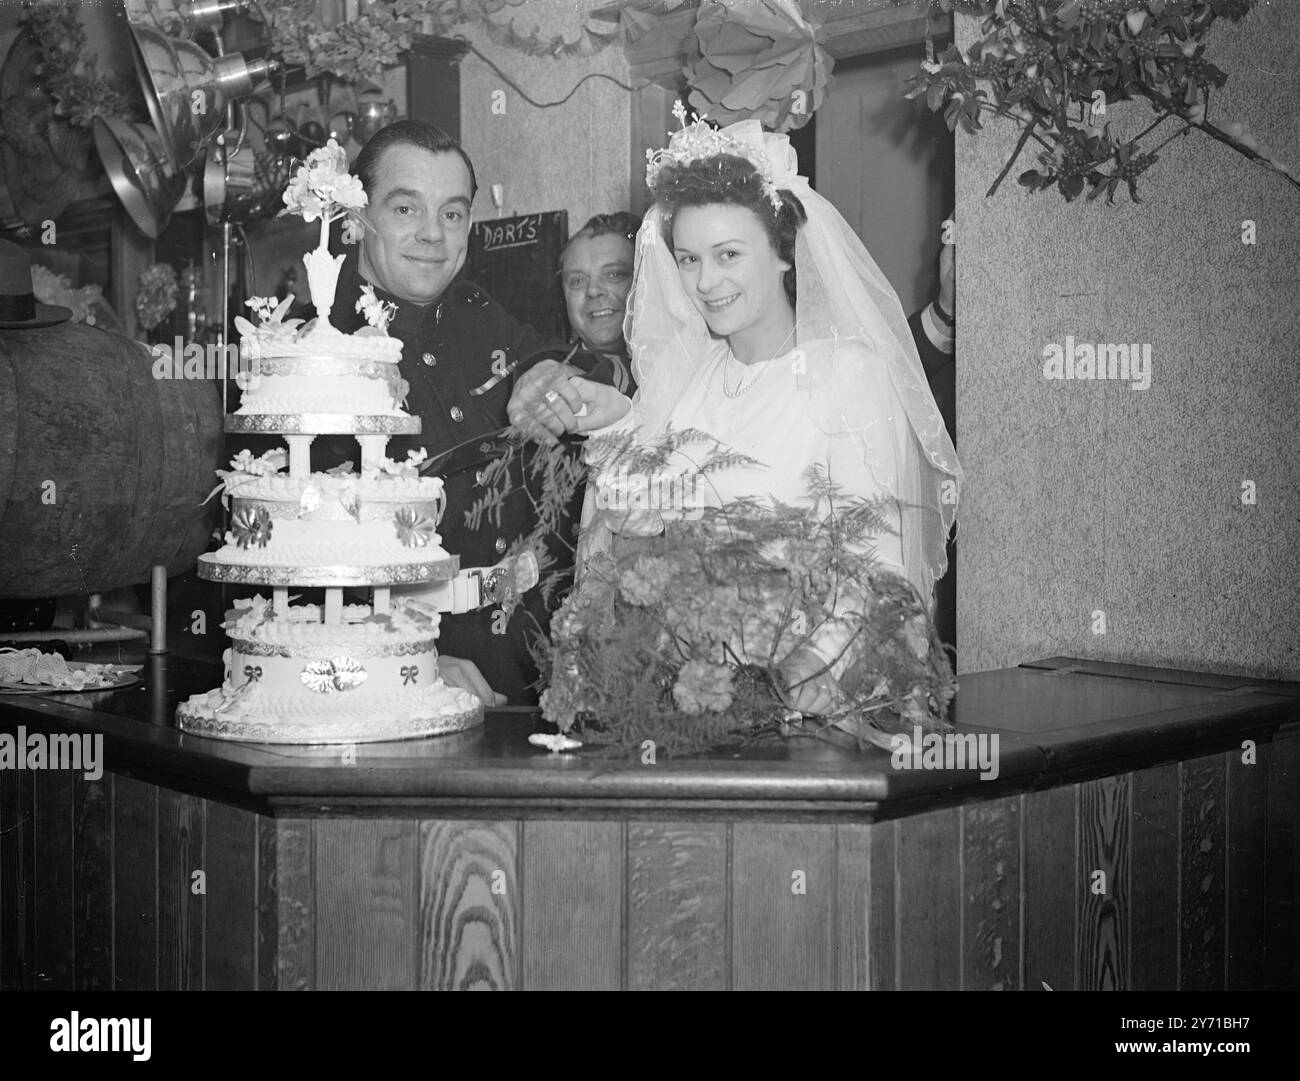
(698, 141)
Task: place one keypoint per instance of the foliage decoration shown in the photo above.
(677, 633)
(359, 50)
(69, 68)
(1056, 66)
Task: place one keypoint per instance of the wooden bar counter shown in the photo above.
(1141, 833)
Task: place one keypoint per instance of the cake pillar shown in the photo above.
(280, 600)
(381, 603)
(372, 450)
(334, 605)
(299, 456)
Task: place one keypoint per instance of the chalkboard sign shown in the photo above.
(517, 261)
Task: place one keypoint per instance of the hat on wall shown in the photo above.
(19, 308)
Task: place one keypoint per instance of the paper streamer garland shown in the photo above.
(760, 60)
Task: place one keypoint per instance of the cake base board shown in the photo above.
(321, 424)
(355, 576)
(203, 722)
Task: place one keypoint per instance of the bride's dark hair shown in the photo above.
(728, 180)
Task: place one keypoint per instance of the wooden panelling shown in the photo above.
(366, 917)
(853, 876)
(181, 852)
(1103, 884)
(231, 904)
(469, 906)
(573, 909)
(1247, 836)
(783, 898)
(93, 882)
(1282, 866)
(677, 906)
(1050, 893)
(15, 885)
(1203, 896)
(54, 912)
(1182, 875)
(882, 912)
(295, 900)
(929, 901)
(135, 885)
(990, 864)
(1153, 879)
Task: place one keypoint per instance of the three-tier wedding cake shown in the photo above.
(332, 673)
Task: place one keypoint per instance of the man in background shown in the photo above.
(934, 328)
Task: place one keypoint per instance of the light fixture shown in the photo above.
(147, 184)
(208, 14)
(187, 90)
(241, 185)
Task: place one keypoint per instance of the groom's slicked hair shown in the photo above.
(730, 180)
(415, 133)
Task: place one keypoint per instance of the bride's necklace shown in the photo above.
(742, 386)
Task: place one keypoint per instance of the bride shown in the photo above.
(758, 317)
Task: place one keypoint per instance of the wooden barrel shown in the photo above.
(102, 467)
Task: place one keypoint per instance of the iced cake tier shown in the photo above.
(328, 530)
(323, 382)
(291, 678)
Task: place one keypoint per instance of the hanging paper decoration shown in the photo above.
(760, 60)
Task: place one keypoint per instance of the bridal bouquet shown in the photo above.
(677, 634)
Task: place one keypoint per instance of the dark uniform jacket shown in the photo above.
(941, 371)
(462, 356)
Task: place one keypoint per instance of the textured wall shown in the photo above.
(570, 157)
(1084, 496)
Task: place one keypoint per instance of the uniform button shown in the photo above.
(457, 414)
(429, 359)
(500, 545)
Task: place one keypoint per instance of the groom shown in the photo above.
(461, 354)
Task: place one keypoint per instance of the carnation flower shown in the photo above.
(703, 686)
(645, 582)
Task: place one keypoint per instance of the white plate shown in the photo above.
(115, 675)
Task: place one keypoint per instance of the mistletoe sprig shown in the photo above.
(1055, 66)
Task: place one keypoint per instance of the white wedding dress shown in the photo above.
(771, 421)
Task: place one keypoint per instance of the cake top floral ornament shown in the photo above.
(758, 60)
(1056, 66)
(323, 188)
